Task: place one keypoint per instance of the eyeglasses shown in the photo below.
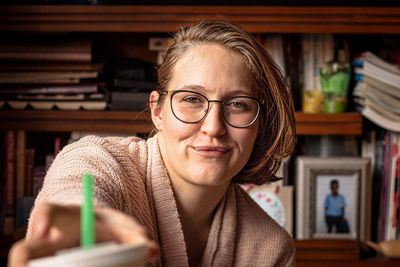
(191, 107)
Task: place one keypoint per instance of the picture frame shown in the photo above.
(333, 198)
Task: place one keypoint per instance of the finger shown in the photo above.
(128, 230)
(56, 223)
(40, 220)
(25, 250)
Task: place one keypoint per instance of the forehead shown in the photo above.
(213, 67)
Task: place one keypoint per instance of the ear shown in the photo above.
(155, 108)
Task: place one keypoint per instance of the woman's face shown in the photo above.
(210, 152)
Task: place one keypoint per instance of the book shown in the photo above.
(9, 186)
(50, 88)
(2, 186)
(388, 102)
(274, 45)
(50, 66)
(134, 84)
(20, 163)
(46, 50)
(24, 207)
(46, 76)
(377, 85)
(380, 119)
(63, 102)
(383, 209)
(317, 49)
(390, 228)
(129, 100)
(30, 163)
(370, 65)
(39, 172)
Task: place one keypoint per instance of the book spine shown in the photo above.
(38, 177)
(50, 89)
(390, 230)
(383, 193)
(20, 166)
(65, 57)
(30, 162)
(2, 186)
(9, 194)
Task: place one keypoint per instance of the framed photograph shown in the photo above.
(333, 198)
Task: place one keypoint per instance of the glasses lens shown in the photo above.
(241, 111)
(189, 106)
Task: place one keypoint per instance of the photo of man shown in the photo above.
(335, 196)
(335, 205)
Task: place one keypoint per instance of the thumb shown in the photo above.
(41, 220)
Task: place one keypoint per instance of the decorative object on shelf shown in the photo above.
(276, 200)
(333, 196)
(390, 249)
(316, 50)
(335, 79)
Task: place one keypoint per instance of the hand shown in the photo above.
(56, 227)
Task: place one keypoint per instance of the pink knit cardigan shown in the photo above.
(130, 176)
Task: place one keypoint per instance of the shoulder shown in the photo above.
(93, 146)
(110, 142)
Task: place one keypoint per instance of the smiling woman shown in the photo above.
(223, 116)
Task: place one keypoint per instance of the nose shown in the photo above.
(213, 124)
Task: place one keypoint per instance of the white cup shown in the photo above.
(101, 255)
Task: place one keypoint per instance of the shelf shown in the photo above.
(140, 122)
(333, 124)
(168, 18)
(65, 121)
(343, 253)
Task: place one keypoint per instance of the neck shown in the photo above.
(196, 204)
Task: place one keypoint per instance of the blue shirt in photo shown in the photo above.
(334, 205)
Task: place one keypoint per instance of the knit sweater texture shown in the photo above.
(130, 176)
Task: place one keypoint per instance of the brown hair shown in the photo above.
(276, 134)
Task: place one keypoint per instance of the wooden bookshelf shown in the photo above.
(48, 20)
(133, 122)
(167, 18)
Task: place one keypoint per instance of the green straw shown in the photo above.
(87, 216)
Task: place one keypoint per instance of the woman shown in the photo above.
(223, 116)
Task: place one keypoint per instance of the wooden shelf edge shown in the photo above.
(136, 121)
(168, 18)
(328, 124)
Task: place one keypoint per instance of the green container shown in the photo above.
(334, 106)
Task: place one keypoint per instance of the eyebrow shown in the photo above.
(204, 90)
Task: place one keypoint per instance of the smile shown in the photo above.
(210, 151)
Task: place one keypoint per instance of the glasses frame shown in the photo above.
(222, 102)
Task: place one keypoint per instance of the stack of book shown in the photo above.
(131, 82)
(378, 90)
(50, 74)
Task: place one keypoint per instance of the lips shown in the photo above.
(210, 151)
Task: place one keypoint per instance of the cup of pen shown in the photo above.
(90, 254)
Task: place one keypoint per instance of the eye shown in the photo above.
(237, 104)
(193, 99)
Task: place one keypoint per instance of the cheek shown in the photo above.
(174, 129)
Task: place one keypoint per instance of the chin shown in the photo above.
(207, 179)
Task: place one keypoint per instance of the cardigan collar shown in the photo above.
(220, 244)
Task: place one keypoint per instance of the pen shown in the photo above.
(87, 214)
